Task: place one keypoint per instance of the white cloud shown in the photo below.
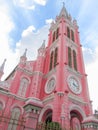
(41, 2)
(28, 31)
(29, 4)
(92, 70)
(32, 39)
(49, 21)
(6, 25)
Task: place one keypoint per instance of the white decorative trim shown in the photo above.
(60, 94)
(50, 73)
(53, 87)
(74, 72)
(71, 44)
(49, 106)
(78, 82)
(76, 99)
(54, 46)
(24, 76)
(25, 71)
(17, 106)
(3, 103)
(78, 109)
(49, 98)
(9, 94)
(34, 100)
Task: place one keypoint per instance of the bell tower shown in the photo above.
(66, 93)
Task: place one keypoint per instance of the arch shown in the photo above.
(77, 109)
(24, 83)
(76, 117)
(17, 106)
(69, 57)
(24, 76)
(72, 35)
(45, 109)
(74, 60)
(14, 118)
(55, 56)
(51, 61)
(2, 103)
(57, 33)
(53, 36)
(68, 32)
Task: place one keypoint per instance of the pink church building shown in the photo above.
(53, 88)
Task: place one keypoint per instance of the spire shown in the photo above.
(25, 52)
(63, 11)
(23, 58)
(41, 50)
(43, 44)
(2, 66)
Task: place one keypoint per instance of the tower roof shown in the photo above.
(63, 11)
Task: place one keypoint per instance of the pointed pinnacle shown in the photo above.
(25, 52)
(2, 66)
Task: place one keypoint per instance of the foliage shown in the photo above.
(49, 126)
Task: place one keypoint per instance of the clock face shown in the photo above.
(74, 85)
(50, 85)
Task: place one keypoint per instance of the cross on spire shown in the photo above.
(63, 4)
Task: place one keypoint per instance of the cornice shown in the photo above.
(29, 72)
(48, 98)
(71, 42)
(9, 94)
(73, 72)
(25, 71)
(77, 99)
(50, 73)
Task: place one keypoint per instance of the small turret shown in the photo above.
(23, 58)
(41, 50)
(2, 68)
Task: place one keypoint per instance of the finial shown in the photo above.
(2, 66)
(25, 52)
(43, 44)
(44, 41)
(63, 4)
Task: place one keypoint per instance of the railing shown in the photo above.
(49, 126)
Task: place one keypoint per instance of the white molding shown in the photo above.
(49, 106)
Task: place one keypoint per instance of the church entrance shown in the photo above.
(75, 121)
(47, 117)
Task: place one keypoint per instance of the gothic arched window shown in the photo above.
(14, 119)
(1, 105)
(69, 57)
(72, 35)
(74, 60)
(23, 87)
(51, 60)
(57, 33)
(53, 37)
(55, 56)
(68, 32)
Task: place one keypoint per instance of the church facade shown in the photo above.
(53, 88)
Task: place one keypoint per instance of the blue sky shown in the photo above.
(25, 24)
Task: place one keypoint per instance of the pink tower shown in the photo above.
(53, 88)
